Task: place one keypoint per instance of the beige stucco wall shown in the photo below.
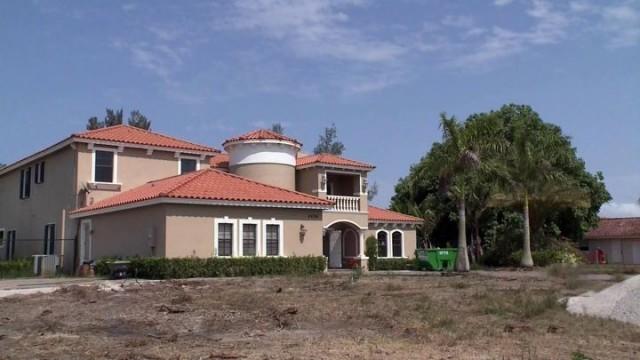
(135, 232)
(273, 174)
(408, 231)
(308, 181)
(361, 219)
(190, 228)
(134, 168)
(45, 205)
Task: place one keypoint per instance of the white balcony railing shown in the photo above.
(345, 203)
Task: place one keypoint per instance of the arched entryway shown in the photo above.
(341, 244)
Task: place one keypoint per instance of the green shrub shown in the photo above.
(16, 268)
(393, 264)
(548, 257)
(180, 268)
(371, 251)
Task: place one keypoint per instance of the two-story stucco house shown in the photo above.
(123, 191)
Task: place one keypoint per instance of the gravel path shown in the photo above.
(620, 302)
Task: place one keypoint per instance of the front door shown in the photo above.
(335, 249)
(85, 241)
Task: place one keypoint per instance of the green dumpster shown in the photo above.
(437, 259)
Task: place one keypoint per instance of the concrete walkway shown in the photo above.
(26, 286)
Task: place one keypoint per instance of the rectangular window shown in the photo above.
(104, 166)
(11, 245)
(273, 239)
(2, 240)
(25, 183)
(39, 176)
(49, 239)
(225, 239)
(188, 165)
(249, 239)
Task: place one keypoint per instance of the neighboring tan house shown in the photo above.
(618, 238)
(123, 191)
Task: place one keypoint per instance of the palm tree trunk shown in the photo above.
(527, 260)
(462, 263)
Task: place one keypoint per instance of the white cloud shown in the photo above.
(461, 21)
(614, 209)
(311, 28)
(129, 7)
(622, 23)
(159, 59)
(502, 2)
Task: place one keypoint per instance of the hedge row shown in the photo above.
(16, 268)
(180, 268)
(391, 264)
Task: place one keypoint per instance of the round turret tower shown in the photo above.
(264, 156)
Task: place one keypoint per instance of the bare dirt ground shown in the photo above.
(505, 315)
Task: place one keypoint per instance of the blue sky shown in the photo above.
(382, 71)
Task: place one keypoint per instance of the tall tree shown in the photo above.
(459, 160)
(113, 117)
(533, 166)
(277, 128)
(93, 123)
(328, 142)
(372, 191)
(138, 120)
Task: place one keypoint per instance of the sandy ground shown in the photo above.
(511, 316)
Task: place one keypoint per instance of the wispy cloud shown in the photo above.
(614, 209)
(159, 59)
(622, 23)
(502, 2)
(312, 28)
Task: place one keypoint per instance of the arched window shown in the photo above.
(396, 243)
(382, 243)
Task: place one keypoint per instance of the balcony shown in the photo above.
(345, 203)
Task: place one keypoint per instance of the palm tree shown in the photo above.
(532, 177)
(457, 162)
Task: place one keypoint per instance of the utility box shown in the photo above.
(45, 265)
(437, 259)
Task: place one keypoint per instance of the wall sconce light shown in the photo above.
(323, 182)
(365, 184)
(303, 232)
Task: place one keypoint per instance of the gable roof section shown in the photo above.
(217, 187)
(377, 214)
(133, 135)
(616, 228)
(220, 161)
(331, 160)
(262, 134)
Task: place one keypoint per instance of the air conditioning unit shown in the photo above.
(45, 265)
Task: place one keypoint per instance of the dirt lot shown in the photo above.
(499, 315)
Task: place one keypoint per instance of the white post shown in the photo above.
(362, 245)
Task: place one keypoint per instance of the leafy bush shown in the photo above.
(393, 264)
(179, 268)
(16, 268)
(549, 256)
(371, 251)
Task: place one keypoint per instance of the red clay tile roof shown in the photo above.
(262, 134)
(383, 215)
(220, 161)
(209, 184)
(332, 160)
(133, 135)
(616, 228)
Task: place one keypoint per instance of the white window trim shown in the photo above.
(90, 242)
(273, 221)
(234, 236)
(388, 242)
(401, 243)
(115, 165)
(46, 239)
(241, 222)
(180, 157)
(3, 238)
